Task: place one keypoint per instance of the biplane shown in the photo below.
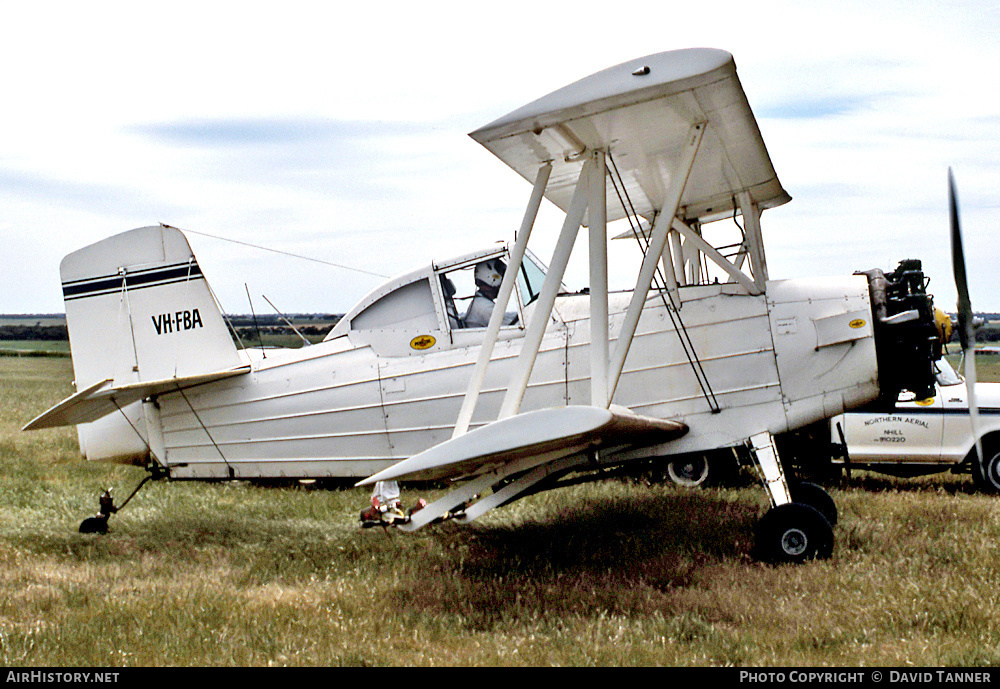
(706, 351)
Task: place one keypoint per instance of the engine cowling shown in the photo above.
(908, 339)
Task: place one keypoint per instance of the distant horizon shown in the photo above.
(62, 314)
(312, 314)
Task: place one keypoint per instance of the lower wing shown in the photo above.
(546, 434)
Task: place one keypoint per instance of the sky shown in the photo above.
(338, 132)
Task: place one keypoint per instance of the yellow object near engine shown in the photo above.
(943, 323)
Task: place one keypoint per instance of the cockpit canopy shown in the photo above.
(447, 298)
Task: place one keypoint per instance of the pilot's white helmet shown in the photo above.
(490, 273)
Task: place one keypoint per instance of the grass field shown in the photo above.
(34, 348)
(617, 573)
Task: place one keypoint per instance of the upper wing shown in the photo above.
(641, 112)
(102, 398)
(545, 434)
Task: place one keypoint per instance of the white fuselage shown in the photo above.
(366, 399)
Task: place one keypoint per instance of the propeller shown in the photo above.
(966, 336)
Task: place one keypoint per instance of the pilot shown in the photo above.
(488, 276)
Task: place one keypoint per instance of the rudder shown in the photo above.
(138, 308)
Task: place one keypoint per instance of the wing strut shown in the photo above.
(657, 243)
(547, 298)
(503, 298)
(652, 257)
(751, 220)
(600, 390)
(464, 502)
(589, 197)
(693, 238)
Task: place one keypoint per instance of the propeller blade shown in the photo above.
(965, 325)
(964, 306)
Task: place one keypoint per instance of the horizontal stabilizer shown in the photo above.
(101, 399)
(546, 434)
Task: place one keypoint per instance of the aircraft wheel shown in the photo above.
(691, 471)
(987, 477)
(794, 533)
(98, 524)
(815, 496)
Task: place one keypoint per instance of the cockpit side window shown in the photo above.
(470, 294)
(409, 307)
(450, 307)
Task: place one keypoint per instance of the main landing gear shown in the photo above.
(799, 527)
(793, 533)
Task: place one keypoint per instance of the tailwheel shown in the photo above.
(96, 524)
(793, 533)
(99, 523)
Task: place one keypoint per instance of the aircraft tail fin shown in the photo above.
(138, 309)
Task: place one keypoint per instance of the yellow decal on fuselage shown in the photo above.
(422, 342)
(857, 323)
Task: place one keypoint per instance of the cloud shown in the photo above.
(288, 129)
(249, 132)
(364, 160)
(111, 200)
(821, 106)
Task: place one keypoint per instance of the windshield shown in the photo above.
(946, 374)
(531, 278)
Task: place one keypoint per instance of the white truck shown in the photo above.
(925, 436)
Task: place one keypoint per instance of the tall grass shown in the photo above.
(616, 573)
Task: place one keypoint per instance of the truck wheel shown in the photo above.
(691, 471)
(987, 476)
(793, 533)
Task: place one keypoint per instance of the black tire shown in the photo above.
(815, 496)
(987, 475)
(689, 471)
(793, 533)
(98, 524)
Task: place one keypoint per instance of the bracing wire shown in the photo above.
(201, 423)
(137, 432)
(659, 284)
(279, 251)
